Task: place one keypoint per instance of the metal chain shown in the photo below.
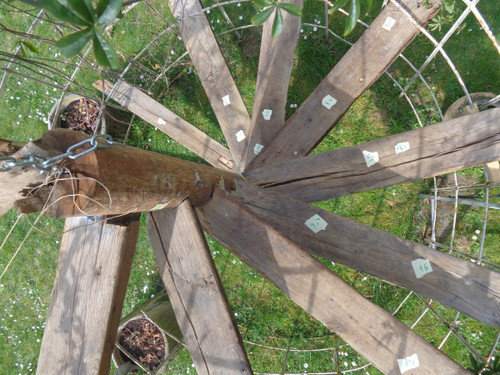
(49, 165)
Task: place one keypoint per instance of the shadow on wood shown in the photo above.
(84, 313)
(196, 293)
(369, 329)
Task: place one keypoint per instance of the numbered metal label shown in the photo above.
(257, 148)
(316, 223)
(328, 101)
(371, 158)
(225, 100)
(421, 267)
(389, 23)
(266, 113)
(408, 363)
(240, 136)
(402, 147)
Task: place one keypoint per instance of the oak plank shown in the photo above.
(369, 329)
(275, 67)
(196, 293)
(188, 135)
(433, 150)
(214, 74)
(360, 67)
(92, 274)
(464, 286)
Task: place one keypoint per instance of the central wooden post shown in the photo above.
(121, 179)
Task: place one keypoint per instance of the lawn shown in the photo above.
(263, 313)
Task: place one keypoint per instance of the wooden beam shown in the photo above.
(360, 67)
(196, 293)
(142, 105)
(369, 329)
(122, 179)
(425, 152)
(464, 286)
(214, 74)
(10, 147)
(84, 313)
(275, 67)
(20, 182)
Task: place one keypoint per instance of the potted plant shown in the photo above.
(148, 338)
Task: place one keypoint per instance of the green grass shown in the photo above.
(263, 313)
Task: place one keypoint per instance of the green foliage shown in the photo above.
(268, 8)
(81, 13)
(25, 47)
(477, 367)
(354, 12)
(445, 17)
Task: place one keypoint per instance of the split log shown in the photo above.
(20, 182)
(168, 122)
(360, 67)
(84, 313)
(10, 147)
(429, 151)
(214, 74)
(275, 67)
(196, 293)
(464, 286)
(369, 329)
(119, 180)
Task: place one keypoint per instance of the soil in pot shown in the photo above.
(82, 115)
(144, 341)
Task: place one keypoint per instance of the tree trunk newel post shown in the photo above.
(119, 180)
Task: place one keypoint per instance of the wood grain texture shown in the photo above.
(214, 73)
(92, 275)
(433, 150)
(360, 67)
(369, 329)
(462, 285)
(142, 105)
(16, 183)
(128, 179)
(196, 293)
(275, 67)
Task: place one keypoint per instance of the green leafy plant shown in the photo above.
(267, 8)
(26, 48)
(477, 367)
(493, 368)
(354, 12)
(446, 15)
(90, 20)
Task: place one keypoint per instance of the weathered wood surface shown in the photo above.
(360, 67)
(493, 170)
(139, 103)
(369, 329)
(214, 74)
(118, 180)
(196, 293)
(84, 313)
(20, 181)
(9, 147)
(433, 150)
(275, 67)
(464, 286)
